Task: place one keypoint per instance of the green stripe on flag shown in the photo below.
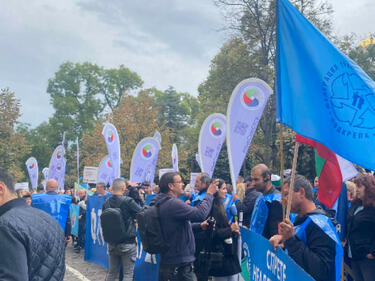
(319, 163)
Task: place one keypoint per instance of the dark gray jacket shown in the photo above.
(248, 203)
(32, 244)
(129, 209)
(175, 223)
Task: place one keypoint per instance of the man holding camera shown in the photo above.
(175, 217)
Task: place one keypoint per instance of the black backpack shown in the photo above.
(113, 225)
(150, 230)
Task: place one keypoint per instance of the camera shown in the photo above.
(211, 222)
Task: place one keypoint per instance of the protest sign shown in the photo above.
(263, 263)
(95, 246)
(90, 174)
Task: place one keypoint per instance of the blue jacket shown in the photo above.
(32, 244)
(316, 246)
(267, 214)
(176, 217)
(57, 205)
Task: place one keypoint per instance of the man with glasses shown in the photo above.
(175, 218)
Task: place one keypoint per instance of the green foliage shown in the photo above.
(13, 146)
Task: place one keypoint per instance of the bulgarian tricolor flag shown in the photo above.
(331, 169)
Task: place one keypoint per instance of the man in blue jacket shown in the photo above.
(313, 242)
(57, 205)
(32, 244)
(176, 217)
(267, 213)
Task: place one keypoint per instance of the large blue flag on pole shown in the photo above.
(321, 93)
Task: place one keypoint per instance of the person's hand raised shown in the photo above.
(212, 189)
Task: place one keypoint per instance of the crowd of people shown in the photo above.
(200, 226)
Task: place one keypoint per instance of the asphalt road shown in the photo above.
(77, 269)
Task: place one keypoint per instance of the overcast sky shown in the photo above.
(167, 42)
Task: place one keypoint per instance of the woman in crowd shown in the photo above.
(351, 191)
(361, 229)
(221, 249)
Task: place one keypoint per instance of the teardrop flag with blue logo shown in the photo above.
(321, 93)
(157, 136)
(32, 169)
(211, 139)
(113, 146)
(175, 157)
(244, 111)
(197, 158)
(57, 164)
(144, 160)
(105, 171)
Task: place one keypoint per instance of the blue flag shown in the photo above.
(321, 93)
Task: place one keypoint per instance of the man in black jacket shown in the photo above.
(247, 206)
(313, 242)
(125, 252)
(32, 244)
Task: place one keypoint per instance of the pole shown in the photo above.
(291, 186)
(282, 167)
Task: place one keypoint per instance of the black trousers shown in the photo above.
(364, 270)
(176, 272)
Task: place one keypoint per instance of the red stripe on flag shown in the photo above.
(330, 180)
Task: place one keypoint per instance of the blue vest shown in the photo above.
(228, 202)
(260, 212)
(56, 205)
(326, 225)
(198, 198)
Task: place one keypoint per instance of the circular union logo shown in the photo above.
(147, 151)
(32, 166)
(247, 256)
(59, 154)
(217, 128)
(352, 102)
(110, 136)
(252, 98)
(109, 163)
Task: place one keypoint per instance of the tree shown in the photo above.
(251, 54)
(81, 92)
(75, 97)
(13, 146)
(117, 82)
(135, 119)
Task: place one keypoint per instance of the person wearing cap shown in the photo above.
(267, 212)
(32, 244)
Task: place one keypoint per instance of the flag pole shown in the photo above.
(291, 185)
(282, 167)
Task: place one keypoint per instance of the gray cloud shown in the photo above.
(167, 42)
